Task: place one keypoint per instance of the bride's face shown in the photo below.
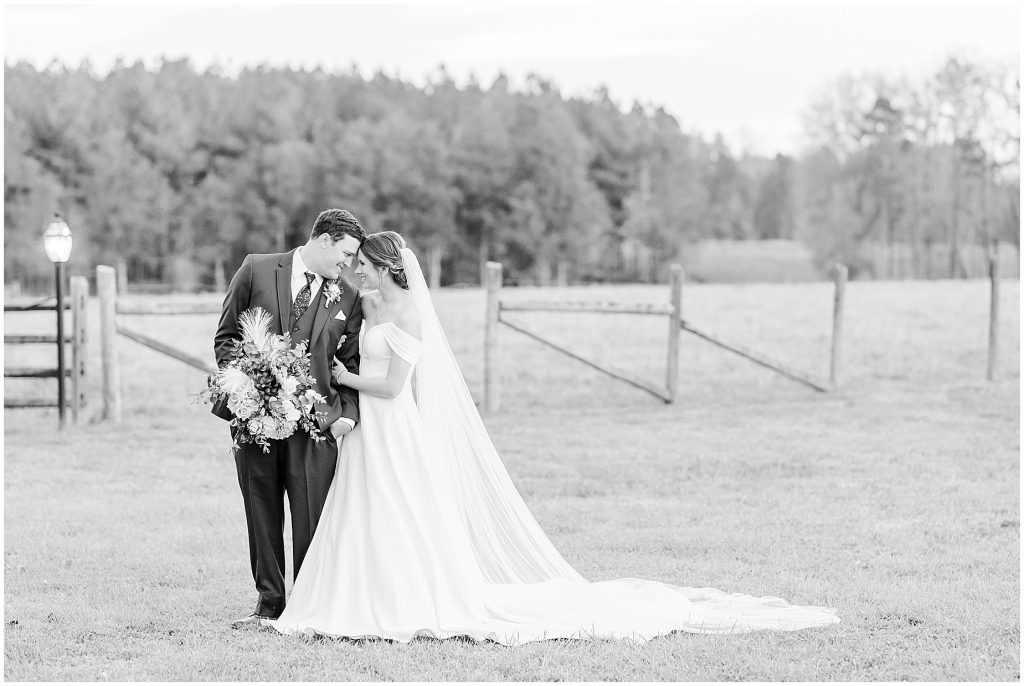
(368, 275)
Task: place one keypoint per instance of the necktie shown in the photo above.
(304, 296)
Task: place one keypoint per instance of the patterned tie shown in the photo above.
(304, 296)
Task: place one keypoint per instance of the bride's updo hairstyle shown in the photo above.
(384, 251)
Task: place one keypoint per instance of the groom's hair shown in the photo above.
(337, 223)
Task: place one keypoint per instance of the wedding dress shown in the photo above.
(424, 534)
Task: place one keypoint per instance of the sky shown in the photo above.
(747, 71)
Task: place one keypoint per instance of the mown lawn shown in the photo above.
(895, 501)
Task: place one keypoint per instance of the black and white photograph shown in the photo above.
(511, 342)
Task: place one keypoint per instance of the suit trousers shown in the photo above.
(302, 468)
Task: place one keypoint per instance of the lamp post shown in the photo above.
(57, 243)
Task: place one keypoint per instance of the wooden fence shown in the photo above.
(110, 329)
(498, 309)
(75, 372)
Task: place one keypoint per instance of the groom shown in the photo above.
(304, 292)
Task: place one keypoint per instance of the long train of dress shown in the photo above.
(393, 554)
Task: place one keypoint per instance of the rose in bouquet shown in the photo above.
(267, 385)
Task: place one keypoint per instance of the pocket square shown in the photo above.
(340, 316)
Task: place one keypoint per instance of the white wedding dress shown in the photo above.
(424, 534)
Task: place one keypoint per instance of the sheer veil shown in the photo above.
(507, 541)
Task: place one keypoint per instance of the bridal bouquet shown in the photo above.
(267, 385)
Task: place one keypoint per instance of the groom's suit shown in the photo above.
(297, 465)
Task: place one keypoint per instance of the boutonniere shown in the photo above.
(333, 292)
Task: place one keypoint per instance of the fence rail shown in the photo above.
(755, 357)
(168, 350)
(35, 307)
(14, 339)
(26, 403)
(607, 307)
(33, 372)
(155, 308)
(659, 392)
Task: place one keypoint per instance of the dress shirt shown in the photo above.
(299, 270)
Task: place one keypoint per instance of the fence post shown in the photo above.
(562, 274)
(491, 389)
(434, 267)
(837, 323)
(676, 276)
(220, 284)
(993, 311)
(79, 294)
(121, 270)
(106, 287)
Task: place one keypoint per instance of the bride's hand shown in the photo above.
(341, 428)
(339, 372)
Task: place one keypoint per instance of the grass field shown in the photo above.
(896, 501)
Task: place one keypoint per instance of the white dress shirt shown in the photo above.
(299, 270)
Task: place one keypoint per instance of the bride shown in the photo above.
(423, 532)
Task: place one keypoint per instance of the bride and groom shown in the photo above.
(414, 528)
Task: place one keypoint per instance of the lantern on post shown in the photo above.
(57, 243)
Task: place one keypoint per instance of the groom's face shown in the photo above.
(336, 255)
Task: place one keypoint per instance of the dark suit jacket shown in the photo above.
(265, 281)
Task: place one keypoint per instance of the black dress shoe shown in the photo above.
(253, 621)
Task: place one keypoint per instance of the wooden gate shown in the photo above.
(75, 372)
(498, 309)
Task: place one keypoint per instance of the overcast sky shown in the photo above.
(747, 71)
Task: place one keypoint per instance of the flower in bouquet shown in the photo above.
(307, 399)
(267, 385)
(243, 399)
(277, 428)
(289, 385)
(291, 412)
(245, 406)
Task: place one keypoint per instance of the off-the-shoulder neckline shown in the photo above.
(397, 328)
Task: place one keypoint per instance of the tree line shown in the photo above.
(175, 173)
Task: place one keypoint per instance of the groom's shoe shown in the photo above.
(253, 621)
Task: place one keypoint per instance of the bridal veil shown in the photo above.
(508, 543)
